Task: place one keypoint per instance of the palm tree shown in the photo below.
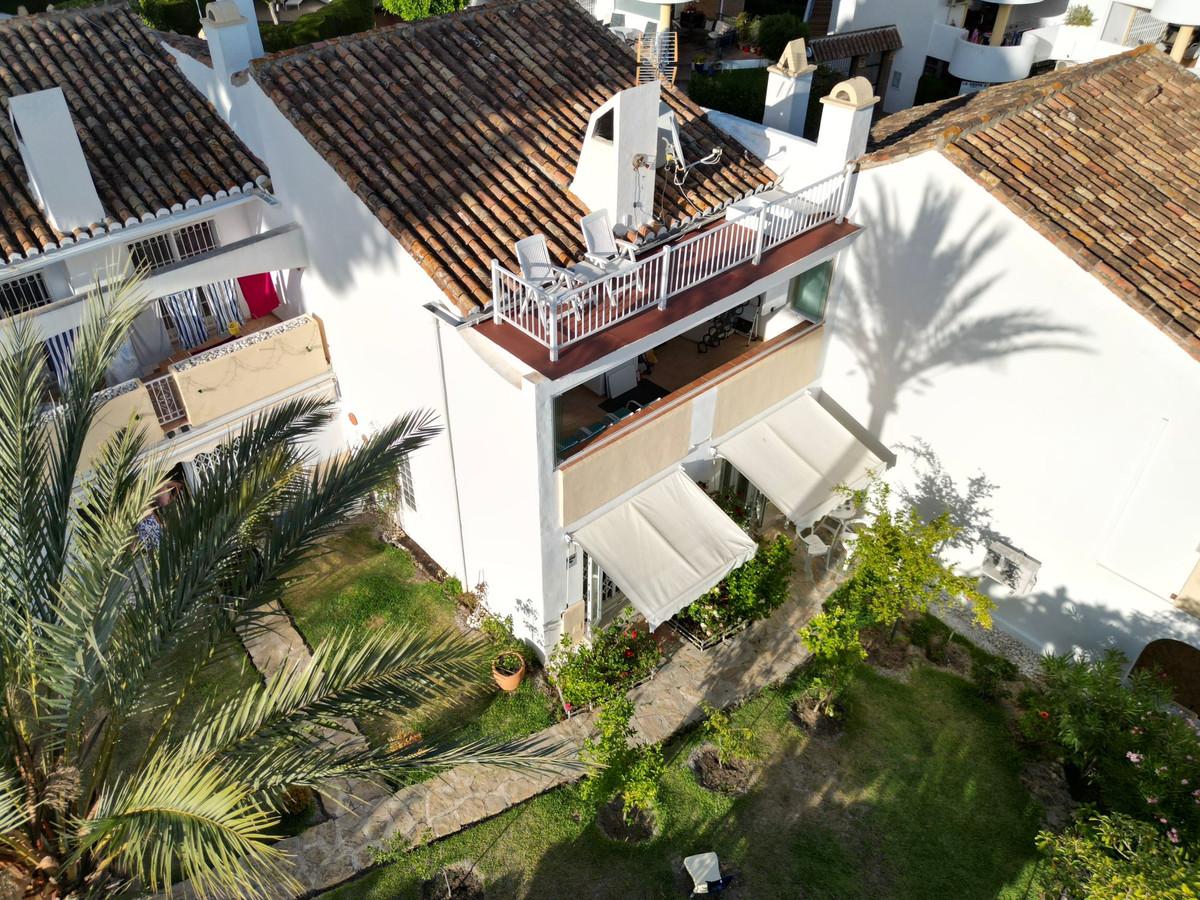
(89, 616)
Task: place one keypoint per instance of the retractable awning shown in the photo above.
(797, 456)
(666, 546)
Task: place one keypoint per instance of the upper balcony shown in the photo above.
(216, 384)
(987, 64)
(599, 311)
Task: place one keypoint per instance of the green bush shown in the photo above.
(411, 10)
(180, 16)
(775, 32)
(749, 593)
(739, 92)
(988, 674)
(1078, 14)
(341, 17)
(1116, 858)
(733, 742)
(616, 766)
(617, 658)
(932, 87)
(1122, 737)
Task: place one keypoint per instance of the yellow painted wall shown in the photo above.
(647, 449)
(774, 377)
(223, 384)
(132, 406)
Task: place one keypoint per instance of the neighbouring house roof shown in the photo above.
(461, 132)
(848, 44)
(1101, 159)
(152, 142)
(195, 47)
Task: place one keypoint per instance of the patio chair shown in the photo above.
(705, 871)
(533, 258)
(603, 248)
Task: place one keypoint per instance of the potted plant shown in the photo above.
(509, 670)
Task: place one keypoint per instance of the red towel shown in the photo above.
(259, 291)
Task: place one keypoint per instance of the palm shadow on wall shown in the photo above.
(904, 335)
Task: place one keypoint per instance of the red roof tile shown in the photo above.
(151, 140)
(461, 132)
(861, 42)
(1101, 159)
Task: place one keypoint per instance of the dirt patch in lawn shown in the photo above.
(454, 882)
(734, 777)
(611, 822)
(815, 722)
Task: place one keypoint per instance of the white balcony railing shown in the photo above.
(559, 319)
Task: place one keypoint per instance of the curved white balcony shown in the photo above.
(991, 65)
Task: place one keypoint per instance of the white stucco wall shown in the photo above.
(955, 323)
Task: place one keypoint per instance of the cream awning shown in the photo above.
(797, 456)
(666, 546)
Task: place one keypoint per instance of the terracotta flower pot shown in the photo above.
(506, 678)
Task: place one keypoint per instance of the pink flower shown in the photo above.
(1151, 800)
(1173, 836)
(1161, 819)
(1183, 781)
(568, 707)
(1134, 758)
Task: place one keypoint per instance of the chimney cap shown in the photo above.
(794, 59)
(223, 12)
(853, 93)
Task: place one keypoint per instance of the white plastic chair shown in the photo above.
(533, 258)
(603, 248)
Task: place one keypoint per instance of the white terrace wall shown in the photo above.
(371, 296)
(955, 323)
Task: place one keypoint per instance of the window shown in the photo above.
(18, 295)
(1010, 567)
(157, 251)
(807, 292)
(408, 496)
(895, 79)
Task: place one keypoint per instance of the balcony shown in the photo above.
(667, 280)
(217, 384)
(985, 64)
(738, 385)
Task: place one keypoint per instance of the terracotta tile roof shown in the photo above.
(195, 47)
(1101, 159)
(152, 142)
(461, 132)
(848, 44)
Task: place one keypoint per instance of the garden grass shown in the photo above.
(359, 582)
(919, 798)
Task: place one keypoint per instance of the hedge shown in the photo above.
(739, 92)
(774, 33)
(180, 16)
(333, 20)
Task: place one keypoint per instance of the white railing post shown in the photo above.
(844, 195)
(664, 282)
(758, 238)
(551, 323)
(497, 312)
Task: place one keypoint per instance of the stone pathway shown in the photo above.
(274, 642)
(337, 850)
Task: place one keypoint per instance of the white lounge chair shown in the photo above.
(603, 248)
(533, 258)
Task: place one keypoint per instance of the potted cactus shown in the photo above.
(508, 669)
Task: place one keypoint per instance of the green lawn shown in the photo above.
(920, 798)
(362, 583)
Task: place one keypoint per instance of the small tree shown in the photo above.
(1115, 857)
(734, 743)
(411, 10)
(618, 767)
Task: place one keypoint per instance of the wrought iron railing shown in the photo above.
(559, 318)
(164, 397)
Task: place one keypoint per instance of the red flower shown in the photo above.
(628, 653)
(1044, 714)
(633, 634)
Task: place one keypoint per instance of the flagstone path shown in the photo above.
(338, 849)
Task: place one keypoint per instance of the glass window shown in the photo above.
(807, 292)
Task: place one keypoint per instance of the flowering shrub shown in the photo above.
(748, 593)
(617, 658)
(1143, 758)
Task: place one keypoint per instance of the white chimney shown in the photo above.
(58, 172)
(232, 34)
(619, 153)
(846, 121)
(789, 83)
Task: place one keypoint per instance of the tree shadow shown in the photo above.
(903, 334)
(934, 491)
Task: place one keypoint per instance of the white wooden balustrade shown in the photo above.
(559, 318)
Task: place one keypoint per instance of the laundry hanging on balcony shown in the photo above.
(223, 300)
(666, 546)
(259, 291)
(184, 310)
(59, 350)
(797, 456)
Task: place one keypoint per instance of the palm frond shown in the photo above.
(181, 819)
